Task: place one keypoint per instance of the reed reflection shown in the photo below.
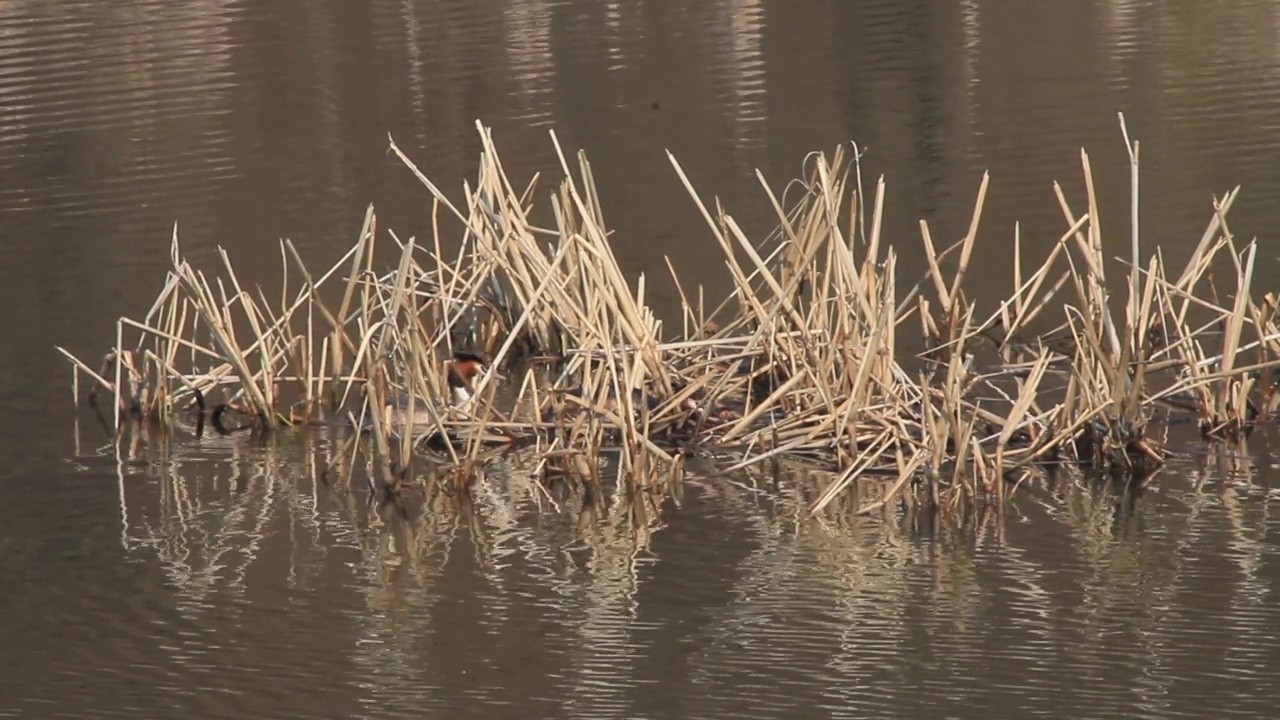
(533, 70)
(744, 67)
(823, 602)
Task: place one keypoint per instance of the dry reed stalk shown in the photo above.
(803, 358)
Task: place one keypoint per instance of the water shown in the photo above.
(226, 582)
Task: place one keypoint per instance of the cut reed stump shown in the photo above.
(802, 360)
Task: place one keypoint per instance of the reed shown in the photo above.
(803, 360)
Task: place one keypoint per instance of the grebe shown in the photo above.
(462, 370)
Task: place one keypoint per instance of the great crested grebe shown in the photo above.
(462, 370)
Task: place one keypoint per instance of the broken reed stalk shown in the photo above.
(800, 359)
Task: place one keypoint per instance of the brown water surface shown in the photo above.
(222, 581)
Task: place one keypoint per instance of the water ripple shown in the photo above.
(218, 578)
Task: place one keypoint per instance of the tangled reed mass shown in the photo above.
(800, 361)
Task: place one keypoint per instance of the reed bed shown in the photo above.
(804, 360)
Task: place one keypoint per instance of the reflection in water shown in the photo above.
(745, 66)
(613, 22)
(1120, 36)
(528, 43)
(436, 605)
(155, 92)
(401, 563)
(323, 31)
(416, 68)
(603, 654)
(971, 30)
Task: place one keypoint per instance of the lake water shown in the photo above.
(218, 579)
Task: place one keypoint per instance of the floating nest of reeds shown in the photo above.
(800, 361)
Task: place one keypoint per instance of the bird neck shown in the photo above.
(460, 394)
